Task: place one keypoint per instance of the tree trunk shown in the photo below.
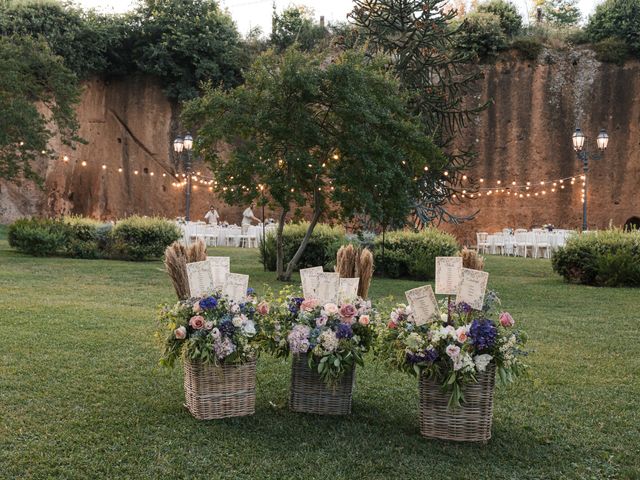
(280, 246)
(296, 258)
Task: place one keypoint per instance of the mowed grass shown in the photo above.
(81, 395)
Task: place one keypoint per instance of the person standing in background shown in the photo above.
(248, 217)
(212, 217)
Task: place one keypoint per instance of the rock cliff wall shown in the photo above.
(525, 135)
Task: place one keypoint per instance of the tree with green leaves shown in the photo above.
(419, 40)
(561, 13)
(37, 99)
(295, 24)
(510, 18)
(618, 19)
(330, 134)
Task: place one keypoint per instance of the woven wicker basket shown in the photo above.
(219, 392)
(469, 423)
(309, 393)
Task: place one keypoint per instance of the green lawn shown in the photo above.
(81, 395)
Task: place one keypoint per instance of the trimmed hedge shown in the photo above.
(413, 254)
(321, 249)
(606, 258)
(136, 238)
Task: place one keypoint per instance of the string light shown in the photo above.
(84, 163)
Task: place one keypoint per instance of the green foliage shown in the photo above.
(604, 258)
(528, 47)
(617, 19)
(39, 237)
(611, 50)
(482, 35)
(32, 75)
(321, 249)
(84, 239)
(141, 238)
(296, 25)
(561, 13)
(412, 254)
(510, 19)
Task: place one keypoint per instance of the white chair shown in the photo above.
(211, 235)
(498, 243)
(482, 242)
(524, 242)
(541, 243)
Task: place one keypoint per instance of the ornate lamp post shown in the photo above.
(602, 141)
(181, 145)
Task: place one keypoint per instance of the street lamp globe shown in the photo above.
(578, 140)
(178, 144)
(188, 142)
(602, 139)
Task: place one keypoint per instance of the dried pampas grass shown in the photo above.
(346, 261)
(471, 259)
(365, 272)
(176, 257)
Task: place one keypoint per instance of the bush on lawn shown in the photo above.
(412, 254)
(607, 258)
(141, 238)
(83, 239)
(321, 249)
(40, 237)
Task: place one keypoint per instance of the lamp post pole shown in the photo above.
(602, 141)
(187, 167)
(179, 145)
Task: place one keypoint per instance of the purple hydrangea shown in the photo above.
(208, 303)
(344, 331)
(463, 308)
(429, 355)
(250, 292)
(294, 305)
(227, 329)
(483, 333)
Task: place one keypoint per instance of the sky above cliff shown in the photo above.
(257, 13)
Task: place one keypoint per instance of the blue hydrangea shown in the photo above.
(344, 331)
(429, 355)
(208, 303)
(250, 292)
(227, 329)
(483, 334)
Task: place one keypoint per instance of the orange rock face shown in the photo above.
(525, 135)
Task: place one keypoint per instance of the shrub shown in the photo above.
(611, 50)
(412, 254)
(40, 237)
(528, 47)
(321, 249)
(507, 13)
(605, 258)
(619, 19)
(83, 238)
(481, 34)
(140, 238)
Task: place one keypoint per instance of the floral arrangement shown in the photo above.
(456, 347)
(334, 336)
(212, 329)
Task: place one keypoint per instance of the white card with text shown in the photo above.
(220, 266)
(472, 288)
(348, 289)
(309, 279)
(423, 303)
(235, 287)
(328, 286)
(448, 275)
(200, 278)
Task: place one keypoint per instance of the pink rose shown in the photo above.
(461, 334)
(506, 320)
(308, 304)
(196, 322)
(392, 324)
(331, 308)
(196, 307)
(263, 308)
(364, 320)
(180, 333)
(348, 311)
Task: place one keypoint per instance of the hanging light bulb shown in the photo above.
(84, 163)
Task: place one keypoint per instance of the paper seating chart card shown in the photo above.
(348, 289)
(472, 287)
(220, 266)
(448, 274)
(235, 287)
(423, 302)
(328, 286)
(200, 278)
(309, 278)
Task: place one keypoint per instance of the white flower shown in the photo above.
(235, 308)
(215, 333)
(249, 328)
(237, 321)
(453, 351)
(482, 361)
(464, 362)
(444, 317)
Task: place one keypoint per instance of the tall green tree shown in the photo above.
(510, 18)
(37, 99)
(617, 19)
(562, 13)
(330, 134)
(419, 40)
(295, 24)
